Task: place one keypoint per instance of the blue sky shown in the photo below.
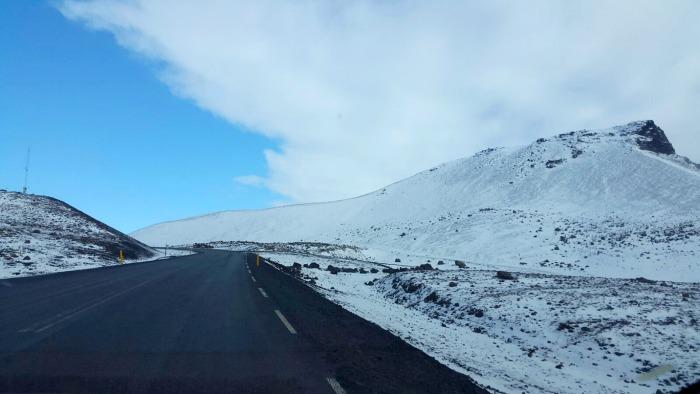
(106, 135)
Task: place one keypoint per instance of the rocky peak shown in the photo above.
(650, 137)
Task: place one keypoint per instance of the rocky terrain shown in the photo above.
(524, 332)
(40, 234)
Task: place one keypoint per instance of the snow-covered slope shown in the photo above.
(534, 333)
(616, 202)
(40, 234)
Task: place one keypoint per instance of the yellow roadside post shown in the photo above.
(121, 257)
(257, 261)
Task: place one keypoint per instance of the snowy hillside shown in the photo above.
(518, 332)
(40, 234)
(616, 202)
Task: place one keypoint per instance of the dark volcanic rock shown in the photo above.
(432, 297)
(565, 327)
(411, 287)
(333, 269)
(504, 275)
(553, 163)
(654, 139)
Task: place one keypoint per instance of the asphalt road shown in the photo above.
(199, 323)
(195, 323)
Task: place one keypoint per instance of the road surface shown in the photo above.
(199, 323)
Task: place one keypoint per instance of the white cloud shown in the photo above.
(362, 93)
(250, 180)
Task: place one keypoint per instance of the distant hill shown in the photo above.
(40, 234)
(614, 202)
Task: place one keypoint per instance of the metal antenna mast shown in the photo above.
(26, 172)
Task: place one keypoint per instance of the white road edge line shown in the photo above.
(262, 292)
(285, 322)
(335, 386)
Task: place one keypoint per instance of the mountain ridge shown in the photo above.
(587, 200)
(656, 135)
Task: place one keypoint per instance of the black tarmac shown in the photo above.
(199, 323)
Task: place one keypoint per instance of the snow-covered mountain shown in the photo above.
(40, 234)
(615, 202)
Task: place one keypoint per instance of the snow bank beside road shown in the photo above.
(537, 333)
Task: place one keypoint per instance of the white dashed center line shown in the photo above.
(262, 292)
(253, 278)
(285, 322)
(335, 386)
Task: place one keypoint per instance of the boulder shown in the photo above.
(411, 287)
(553, 163)
(476, 312)
(432, 297)
(332, 269)
(565, 327)
(505, 275)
